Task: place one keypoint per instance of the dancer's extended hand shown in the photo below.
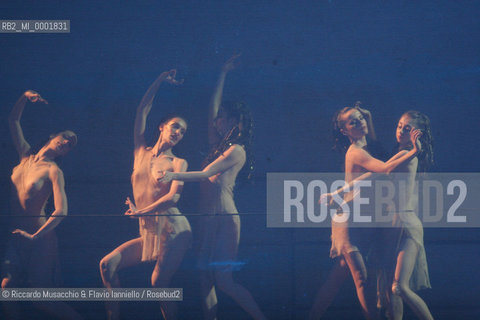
(230, 64)
(325, 199)
(23, 234)
(132, 210)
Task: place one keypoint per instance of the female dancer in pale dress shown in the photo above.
(411, 271)
(339, 273)
(32, 259)
(351, 129)
(230, 127)
(163, 239)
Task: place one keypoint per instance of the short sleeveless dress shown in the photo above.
(222, 222)
(346, 239)
(411, 228)
(157, 232)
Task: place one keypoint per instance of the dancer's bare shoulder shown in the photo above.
(55, 173)
(236, 151)
(356, 154)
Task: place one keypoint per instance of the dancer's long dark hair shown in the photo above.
(422, 122)
(241, 134)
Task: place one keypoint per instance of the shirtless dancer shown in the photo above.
(32, 255)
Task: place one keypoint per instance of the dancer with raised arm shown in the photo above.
(230, 132)
(411, 270)
(350, 129)
(32, 255)
(163, 239)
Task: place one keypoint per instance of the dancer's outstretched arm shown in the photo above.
(397, 159)
(365, 160)
(228, 159)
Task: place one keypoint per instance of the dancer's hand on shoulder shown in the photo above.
(167, 176)
(33, 97)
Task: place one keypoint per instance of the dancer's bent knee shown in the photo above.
(109, 265)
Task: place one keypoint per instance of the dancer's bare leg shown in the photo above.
(209, 295)
(207, 278)
(11, 309)
(329, 289)
(395, 307)
(389, 248)
(405, 264)
(366, 288)
(227, 242)
(166, 267)
(392, 303)
(126, 255)
(41, 273)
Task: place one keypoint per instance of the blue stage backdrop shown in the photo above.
(301, 61)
